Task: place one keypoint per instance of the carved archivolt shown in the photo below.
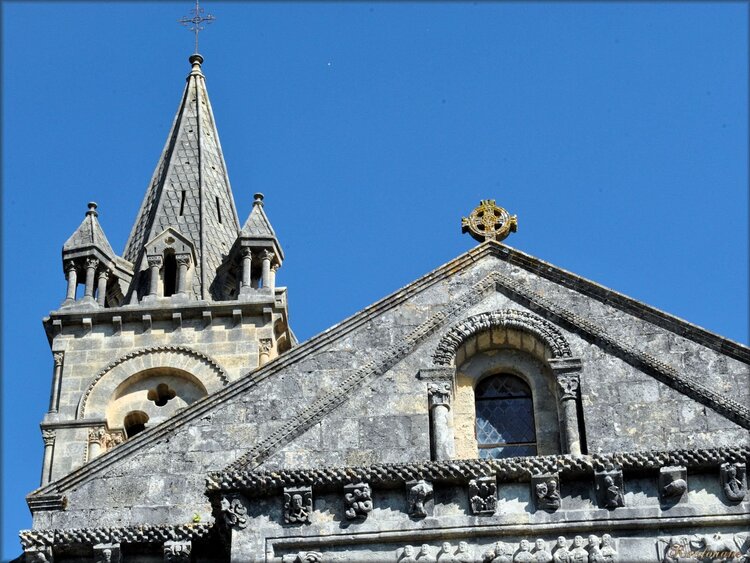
(546, 332)
(206, 370)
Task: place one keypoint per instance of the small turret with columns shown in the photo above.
(88, 257)
(258, 252)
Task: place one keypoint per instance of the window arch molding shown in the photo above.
(103, 387)
(555, 344)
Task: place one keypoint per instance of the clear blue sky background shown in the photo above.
(617, 132)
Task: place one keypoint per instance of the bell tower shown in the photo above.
(191, 304)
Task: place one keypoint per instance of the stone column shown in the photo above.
(264, 350)
(267, 257)
(101, 289)
(96, 442)
(154, 263)
(567, 375)
(183, 263)
(91, 265)
(72, 276)
(274, 269)
(58, 357)
(441, 432)
(247, 260)
(49, 443)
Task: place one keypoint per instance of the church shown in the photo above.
(497, 409)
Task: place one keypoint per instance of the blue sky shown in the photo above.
(617, 132)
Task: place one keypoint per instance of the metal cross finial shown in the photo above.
(194, 23)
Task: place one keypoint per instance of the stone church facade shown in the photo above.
(497, 409)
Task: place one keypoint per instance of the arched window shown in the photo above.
(170, 274)
(134, 423)
(504, 417)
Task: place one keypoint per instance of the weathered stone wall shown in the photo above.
(352, 397)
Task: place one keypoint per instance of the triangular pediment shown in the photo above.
(362, 371)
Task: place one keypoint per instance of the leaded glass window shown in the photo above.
(505, 417)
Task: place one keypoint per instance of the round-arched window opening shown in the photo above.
(504, 417)
(170, 274)
(134, 423)
(161, 394)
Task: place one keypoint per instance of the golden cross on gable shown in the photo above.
(489, 221)
(194, 23)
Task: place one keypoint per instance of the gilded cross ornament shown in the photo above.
(489, 221)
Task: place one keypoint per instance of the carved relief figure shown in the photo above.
(608, 551)
(463, 555)
(609, 487)
(546, 494)
(524, 553)
(501, 553)
(541, 555)
(483, 495)
(297, 505)
(419, 493)
(734, 481)
(673, 483)
(177, 552)
(424, 554)
(561, 555)
(234, 511)
(595, 554)
(578, 554)
(407, 555)
(445, 555)
(358, 499)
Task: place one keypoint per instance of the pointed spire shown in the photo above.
(89, 236)
(257, 227)
(190, 190)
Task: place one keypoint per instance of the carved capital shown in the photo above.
(265, 345)
(275, 267)
(92, 263)
(439, 393)
(267, 255)
(58, 358)
(48, 436)
(246, 253)
(154, 261)
(182, 259)
(70, 265)
(104, 273)
(568, 384)
(177, 551)
(97, 436)
(234, 512)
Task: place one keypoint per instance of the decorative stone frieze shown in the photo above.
(177, 551)
(545, 490)
(147, 533)
(705, 548)
(672, 484)
(734, 481)
(358, 501)
(483, 495)
(419, 494)
(107, 553)
(234, 511)
(610, 492)
(508, 469)
(298, 505)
